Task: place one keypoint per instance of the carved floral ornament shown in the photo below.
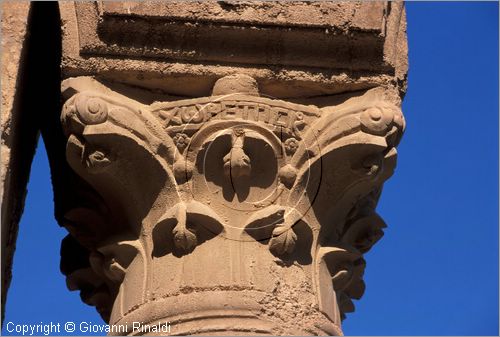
(176, 175)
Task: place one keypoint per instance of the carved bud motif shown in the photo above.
(236, 162)
(291, 145)
(283, 240)
(184, 238)
(182, 170)
(287, 175)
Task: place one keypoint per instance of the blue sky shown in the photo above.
(435, 272)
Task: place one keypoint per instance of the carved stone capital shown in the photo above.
(233, 213)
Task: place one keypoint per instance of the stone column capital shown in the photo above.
(231, 213)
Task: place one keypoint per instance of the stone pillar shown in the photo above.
(231, 156)
(14, 168)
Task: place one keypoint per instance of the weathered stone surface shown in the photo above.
(14, 169)
(218, 164)
(235, 153)
(316, 48)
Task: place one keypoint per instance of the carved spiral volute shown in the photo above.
(91, 109)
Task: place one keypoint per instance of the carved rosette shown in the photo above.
(234, 212)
